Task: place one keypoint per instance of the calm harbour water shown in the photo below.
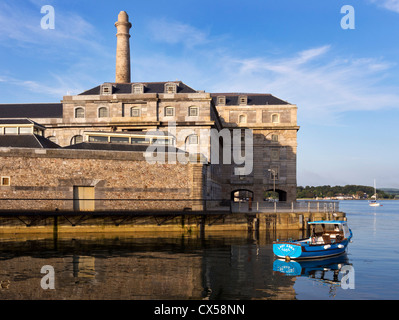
(219, 266)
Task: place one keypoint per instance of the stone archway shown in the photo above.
(282, 195)
(242, 195)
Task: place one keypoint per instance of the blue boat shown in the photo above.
(328, 238)
(310, 267)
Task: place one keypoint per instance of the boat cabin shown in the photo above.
(327, 232)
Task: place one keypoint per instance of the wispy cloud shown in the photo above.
(20, 26)
(69, 57)
(174, 32)
(392, 5)
(59, 87)
(320, 83)
(323, 84)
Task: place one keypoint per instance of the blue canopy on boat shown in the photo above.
(327, 222)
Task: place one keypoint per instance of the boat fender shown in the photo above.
(327, 246)
(287, 258)
(340, 246)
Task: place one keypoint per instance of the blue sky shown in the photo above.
(344, 82)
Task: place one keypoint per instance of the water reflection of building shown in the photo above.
(146, 268)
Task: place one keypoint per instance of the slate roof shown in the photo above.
(149, 87)
(19, 121)
(26, 141)
(31, 110)
(252, 99)
(117, 147)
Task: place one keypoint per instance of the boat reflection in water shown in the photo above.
(327, 271)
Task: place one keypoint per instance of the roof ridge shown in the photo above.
(241, 93)
(38, 141)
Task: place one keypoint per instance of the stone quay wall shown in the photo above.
(46, 180)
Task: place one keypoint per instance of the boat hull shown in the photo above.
(304, 250)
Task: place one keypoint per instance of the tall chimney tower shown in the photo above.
(122, 74)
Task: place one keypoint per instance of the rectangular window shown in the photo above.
(135, 112)
(221, 100)
(193, 111)
(275, 118)
(139, 140)
(275, 154)
(25, 130)
(120, 139)
(98, 139)
(193, 139)
(274, 137)
(10, 130)
(169, 111)
(5, 181)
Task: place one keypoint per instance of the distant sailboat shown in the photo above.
(374, 203)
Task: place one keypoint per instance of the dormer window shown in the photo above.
(170, 88)
(137, 88)
(243, 100)
(106, 89)
(221, 100)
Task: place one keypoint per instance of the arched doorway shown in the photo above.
(242, 195)
(282, 195)
(242, 200)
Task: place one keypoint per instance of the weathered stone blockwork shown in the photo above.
(115, 176)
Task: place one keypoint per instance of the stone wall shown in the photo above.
(52, 175)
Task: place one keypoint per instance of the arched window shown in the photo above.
(79, 113)
(102, 112)
(275, 118)
(76, 139)
(242, 118)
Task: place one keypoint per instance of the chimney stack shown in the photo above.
(122, 73)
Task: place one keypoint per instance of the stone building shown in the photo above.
(122, 115)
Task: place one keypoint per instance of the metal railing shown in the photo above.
(158, 205)
(295, 206)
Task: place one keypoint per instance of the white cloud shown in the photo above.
(321, 84)
(59, 87)
(21, 24)
(392, 5)
(173, 32)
